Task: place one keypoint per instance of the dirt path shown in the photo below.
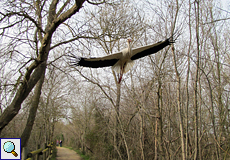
(66, 154)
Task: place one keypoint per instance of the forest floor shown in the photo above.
(66, 154)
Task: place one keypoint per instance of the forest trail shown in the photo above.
(66, 154)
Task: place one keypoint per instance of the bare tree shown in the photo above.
(178, 79)
(37, 65)
(115, 28)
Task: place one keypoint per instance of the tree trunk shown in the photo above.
(179, 106)
(141, 136)
(117, 108)
(32, 113)
(187, 84)
(159, 128)
(12, 110)
(212, 115)
(155, 142)
(196, 154)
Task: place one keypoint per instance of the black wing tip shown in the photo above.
(73, 60)
(172, 39)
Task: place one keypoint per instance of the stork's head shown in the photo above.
(129, 40)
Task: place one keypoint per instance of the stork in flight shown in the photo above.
(122, 61)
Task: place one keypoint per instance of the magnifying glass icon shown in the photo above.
(9, 147)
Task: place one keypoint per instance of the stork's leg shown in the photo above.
(121, 74)
(120, 78)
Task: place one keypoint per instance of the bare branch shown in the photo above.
(71, 40)
(111, 100)
(67, 14)
(217, 20)
(11, 25)
(39, 10)
(25, 15)
(62, 8)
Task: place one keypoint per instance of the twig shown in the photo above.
(221, 147)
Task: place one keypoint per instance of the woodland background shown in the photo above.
(171, 105)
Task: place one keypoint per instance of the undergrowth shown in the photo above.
(54, 154)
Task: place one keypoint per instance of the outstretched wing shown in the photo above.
(94, 62)
(150, 49)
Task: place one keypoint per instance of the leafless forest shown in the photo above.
(171, 105)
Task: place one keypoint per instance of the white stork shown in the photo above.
(122, 61)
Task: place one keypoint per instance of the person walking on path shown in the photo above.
(60, 142)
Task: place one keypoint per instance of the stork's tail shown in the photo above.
(118, 66)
